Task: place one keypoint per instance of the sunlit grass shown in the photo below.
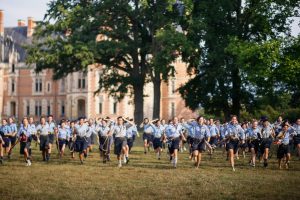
(145, 177)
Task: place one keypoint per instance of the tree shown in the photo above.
(223, 84)
(128, 33)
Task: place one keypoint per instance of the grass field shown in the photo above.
(145, 177)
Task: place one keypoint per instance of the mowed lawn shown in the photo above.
(145, 177)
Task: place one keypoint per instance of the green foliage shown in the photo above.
(245, 47)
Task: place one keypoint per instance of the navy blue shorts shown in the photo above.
(296, 140)
(44, 142)
(23, 146)
(232, 144)
(213, 140)
(61, 142)
(254, 144)
(148, 137)
(265, 143)
(80, 144)
(130, 142)
(283, 150)
(157, 143)
(198, 145)
(6, 142)
(243, 145)
(173, 144)
(89, 141)
(120, 142)
(51, 138)
(13, 140)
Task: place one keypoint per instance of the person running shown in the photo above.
(104, 135)
(267, 135)
(158, 137)
(173, 133)
(119, 132)
(296, 127)
(52, 129)
(214, 131)
(25, 137)
(234, 133)
(190, 137)
(244, 145)
(1, 148)
(81, 142)
(14, 131)
(43, 132)
(184, 132)
(89, 135)
(148, 134)
(71, 142)
(6, 134)
(255, 137)
(131, 133)
(201, 139)
(282, 139)
(63, 136)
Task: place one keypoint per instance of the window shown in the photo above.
(81, 81)
(38, 85)
(62, 85)
(172, 109)
(100, 108)
(48, 108)
(13, 108)
(173, 87)
(13, 68)
(13, 86)
(38, 108)
(27, 108)
(62, 108)
(48, 87)
(115, 107)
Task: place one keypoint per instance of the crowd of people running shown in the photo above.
(176, 135)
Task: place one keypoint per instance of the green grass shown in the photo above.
(145, 177)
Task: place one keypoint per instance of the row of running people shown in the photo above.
(196, 133)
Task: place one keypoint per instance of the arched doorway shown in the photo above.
(81, 108)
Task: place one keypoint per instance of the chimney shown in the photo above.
(1, 23)
(30, 26)
(21, 22)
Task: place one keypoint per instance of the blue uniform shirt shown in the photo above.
(131, 130)
(13, 128)
(201, 131)
(5, 130)
(63, 133)
(43, 129)
(213, 130)
(190, 129)
(102, 130)
(235, 131)
(25, 130)
(158, 131)
(253, 133)
(51, 127)
(81, 130)
(173, 130)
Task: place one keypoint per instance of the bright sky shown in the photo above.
(21, 9)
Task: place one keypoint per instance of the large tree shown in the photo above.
(223, 83)
(127, 37)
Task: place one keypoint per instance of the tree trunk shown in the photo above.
(156, 96)
(138, 103)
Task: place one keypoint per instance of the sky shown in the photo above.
(22, 9)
